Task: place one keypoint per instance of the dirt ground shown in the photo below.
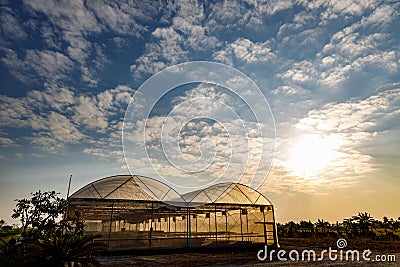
(248, 256)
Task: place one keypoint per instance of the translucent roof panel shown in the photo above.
(124, 187)
(128, 187)
(157, 189)
(106, 186)
(128, 190)
(210, 194)
(227, 193)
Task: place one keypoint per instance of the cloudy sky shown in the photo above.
(330, 73)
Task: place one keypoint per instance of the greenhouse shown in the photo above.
(132, 212)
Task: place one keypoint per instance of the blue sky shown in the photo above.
(330, 72)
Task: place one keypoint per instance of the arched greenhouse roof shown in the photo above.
(140, 188)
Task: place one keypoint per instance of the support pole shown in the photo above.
(69, 186)
(189, 229)
(275, 235)
(209, 224)
(241, 224)
(151, 224)
(216, 227)
(226, 224)
(265, 226)
(66, 209)
(109, 231)
(169, 221)
(247, 228)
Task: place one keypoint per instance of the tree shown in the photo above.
(39, 213)
(364, 221)
(338, 227)
(385, 224)
(396, 225)
(350, 227)
(2, 223)
(306, 227)
(49, 241)
(321, 224)
(292, 229)
(65, 245)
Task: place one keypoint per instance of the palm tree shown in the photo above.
(64, 250)
(292, 228)
(364, 220)
(322, 225)
(350, 227)
(385, 224)
(338, 227)
(303, 225)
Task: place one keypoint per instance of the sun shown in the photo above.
(312, 154)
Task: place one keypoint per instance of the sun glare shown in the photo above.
(312, 154)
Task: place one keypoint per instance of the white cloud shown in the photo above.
(119, 17)
(245, 51)
(204, 137)
(301, 21)
(226, 13)
(96, 111)
(341, 8)
(57, 130)
(381, 17)
(49, 64)
(385, 60)
(352, 116)
(11, 27)
(54, 97)
(6, 142)
(171, 45)
(166, 49)
(351, 50)
(58, 117)
(78, 47)
(231, 16)
(69, 15)
(74, 24)
(85, 112)
(14, 112)
(301, 72)
(341, 141)
(337, 132)
(271, 7)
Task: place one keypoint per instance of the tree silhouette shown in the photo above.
(385, 224)
(322, 225)
(39, 213)
(49, 241)
(64, 250)
(364, 221)
(306, 227)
